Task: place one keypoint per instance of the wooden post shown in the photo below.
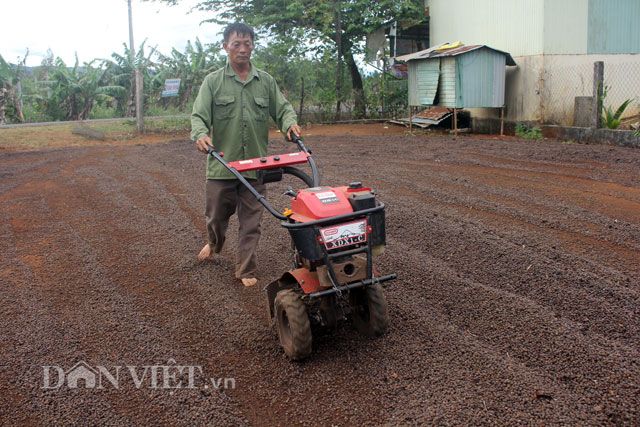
(410, 118)
(455, 122)
(19, 96)
(598, 87)
(502, 121)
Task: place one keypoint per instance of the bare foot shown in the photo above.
(205, 253)
(249, 281)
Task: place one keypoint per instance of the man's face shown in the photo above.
(239, 49)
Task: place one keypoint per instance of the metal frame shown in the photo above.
(328, 257)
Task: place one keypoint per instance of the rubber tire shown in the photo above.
(374, 321)
(292, 323)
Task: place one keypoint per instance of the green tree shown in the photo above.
(43, 70)
(120, 72)
(76, 89)
(287, 62)
(10, 83)
(386, 94)
(191, 67)
(318, 22)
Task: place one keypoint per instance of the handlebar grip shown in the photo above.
(298, 141)
(211, 151)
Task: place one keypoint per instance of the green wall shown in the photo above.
(614, 26)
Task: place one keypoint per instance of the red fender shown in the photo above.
(307, 280)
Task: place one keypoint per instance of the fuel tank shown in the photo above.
(325, 202)
(318, 203)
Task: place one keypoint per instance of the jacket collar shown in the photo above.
(229, 71)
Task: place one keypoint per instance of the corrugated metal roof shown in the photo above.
(434, 113)
(418, 55)
(433, 53)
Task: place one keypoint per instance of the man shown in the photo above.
(234, 104)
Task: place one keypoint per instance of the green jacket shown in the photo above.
(238, 115)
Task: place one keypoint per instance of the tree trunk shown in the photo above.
(86, 110)
(17, 95)
(186, 94)
(338, 22)
(73, 108)
(360, 105)
(131, 102)
(301, 100)
(3, 105)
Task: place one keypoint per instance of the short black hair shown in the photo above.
(239, 28)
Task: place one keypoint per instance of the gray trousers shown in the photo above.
(223, 197)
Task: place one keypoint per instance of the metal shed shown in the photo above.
(460, 77)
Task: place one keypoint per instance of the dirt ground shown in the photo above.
(517, 300)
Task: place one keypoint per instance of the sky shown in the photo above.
(96, 28)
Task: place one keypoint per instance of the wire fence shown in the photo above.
(564, 82)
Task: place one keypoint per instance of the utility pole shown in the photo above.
(137, 73)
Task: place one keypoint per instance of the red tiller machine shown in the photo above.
(335, 234)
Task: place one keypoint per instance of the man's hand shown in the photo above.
(295, 130)
(204, 143)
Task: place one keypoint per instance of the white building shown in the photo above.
(554, 43)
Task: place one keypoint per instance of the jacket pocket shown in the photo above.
(224, 107)
(262, 110)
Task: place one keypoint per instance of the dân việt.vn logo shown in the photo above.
(168, 376)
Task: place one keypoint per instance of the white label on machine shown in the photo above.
(245, 162)
(293, 154)
(327, 197)
(347, 234)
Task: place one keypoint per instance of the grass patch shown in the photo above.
(524, 131)
(118, 132)
(170, 125)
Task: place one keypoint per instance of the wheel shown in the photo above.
(371, 316)
(293, 325)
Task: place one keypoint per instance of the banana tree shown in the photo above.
(120, 72)
(10, 104)
(190, 67)
(75, 90)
